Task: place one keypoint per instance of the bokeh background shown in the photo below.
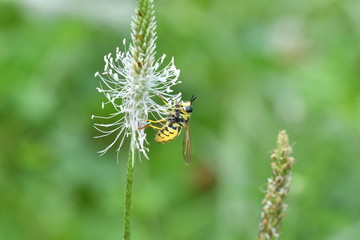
(256, 67)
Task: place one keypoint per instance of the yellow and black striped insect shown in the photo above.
(176, 120)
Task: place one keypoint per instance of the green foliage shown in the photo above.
(256, 67)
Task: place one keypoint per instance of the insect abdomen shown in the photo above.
(167, 133)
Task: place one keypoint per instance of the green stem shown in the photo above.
(278, 187)
(128, 195)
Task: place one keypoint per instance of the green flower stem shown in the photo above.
(277, 189)
(143, 37)
(130, 80)
(128, 196)
(142, 51)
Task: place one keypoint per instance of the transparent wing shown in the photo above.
(187, 148)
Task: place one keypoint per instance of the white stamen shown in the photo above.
(131, 97)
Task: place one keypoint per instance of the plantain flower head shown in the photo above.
(132, 81)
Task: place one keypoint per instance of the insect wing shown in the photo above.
(187, 145)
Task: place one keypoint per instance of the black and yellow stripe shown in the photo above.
(178, 119)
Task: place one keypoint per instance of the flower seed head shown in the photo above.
(132, 80)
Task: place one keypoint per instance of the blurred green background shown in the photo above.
(256, 67)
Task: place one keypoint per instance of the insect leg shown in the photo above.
(166, 103)
(158, 121)
(152, 121)
(149, 125)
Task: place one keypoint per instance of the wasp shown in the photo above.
(172, 125)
